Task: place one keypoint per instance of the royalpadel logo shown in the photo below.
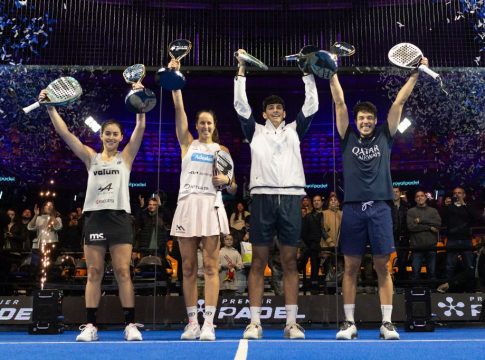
(450, 307)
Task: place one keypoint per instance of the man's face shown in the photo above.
(152, 206)
(420, 198)
(27, 214)
(366, 123)
(305, 202)
(397, 193)
(274, 113)
(459, 193)
(317, 202)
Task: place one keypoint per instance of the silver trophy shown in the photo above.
(321, 63)
(171, 79)
(139, 100)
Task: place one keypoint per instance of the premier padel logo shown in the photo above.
(450, 307)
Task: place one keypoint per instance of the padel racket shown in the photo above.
(60, 92)
(223, 163)
(250, 59)
(341, 48)
(408, 56)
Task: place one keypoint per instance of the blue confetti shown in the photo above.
(22, 37)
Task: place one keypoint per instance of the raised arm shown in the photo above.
(340, 107)
(394, 116)
(310, 106)
(85, 153)
(131, 149)
(241, 104)
(184, 136)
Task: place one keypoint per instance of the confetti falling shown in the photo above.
(449, 131)
(22, 37)
(27, 136)
(475, 12)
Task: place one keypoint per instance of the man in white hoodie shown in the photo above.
(277, 183)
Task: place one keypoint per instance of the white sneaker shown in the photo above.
(348, 331)
(132, 333)
(253, 331)
(388, 331)
(294, 331)
(191, 331)
(89, 332)
(207, 332)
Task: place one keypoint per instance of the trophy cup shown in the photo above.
(250, 59)
(139, 100)
(171, 79)
(320, 62)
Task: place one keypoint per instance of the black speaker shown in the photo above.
(418, 310)
(47, 312)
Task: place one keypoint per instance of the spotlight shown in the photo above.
(92, 124)
(403, 125)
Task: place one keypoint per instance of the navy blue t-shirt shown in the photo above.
(367, 165)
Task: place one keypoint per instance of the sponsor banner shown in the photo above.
(15, 310)
(325, 309)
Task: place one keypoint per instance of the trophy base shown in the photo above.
(170, 79)
(323, 64)
(140, 101)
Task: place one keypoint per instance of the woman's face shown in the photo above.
(205, 126)
(240, 207)
(333, 203)
(111, 137)
(48, 207)
(228, 241)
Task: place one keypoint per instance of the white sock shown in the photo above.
(209, 313)
(255, 313)
(291, 311)
(386, 313)
(349, 312)
(192, 314)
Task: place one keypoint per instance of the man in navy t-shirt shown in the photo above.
(367, 215)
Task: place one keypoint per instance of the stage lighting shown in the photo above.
(92, 124)
(418, 310)
(403, 125)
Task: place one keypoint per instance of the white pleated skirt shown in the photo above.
(197, 216)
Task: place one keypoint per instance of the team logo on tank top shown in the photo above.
(200, 157)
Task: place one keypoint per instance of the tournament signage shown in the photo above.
(235, 310)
